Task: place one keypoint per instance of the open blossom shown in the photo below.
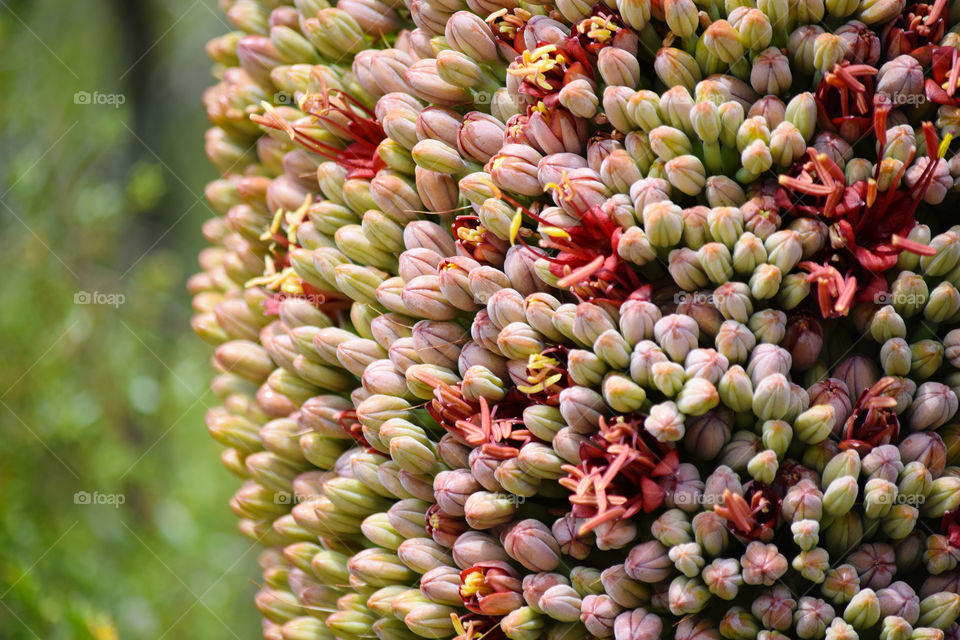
(868, 229)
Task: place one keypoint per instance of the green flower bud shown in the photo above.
(676, 67)
(863, 610)
(944, 303)
(840, 495)
(765, 281)
(736, 389)
(732, 117)
(430, 620)
(927, 356)
(716, 262)
(900, 521)
(943, 496)
(705, 120)
(697, 396)
(723, 41)
(771, 399)
(915, 482)
(815, 424)
(776, 435)
(726, 225)
(754, 29)
(623, 394)
(879, 497)
(939, 610)
(895, 628)
(686, 596)
(845, 463)
(663, 222)
(895, 357)
(763, 466)
(721, 190)
(738, 624)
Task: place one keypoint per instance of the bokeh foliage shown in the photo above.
(97, 398)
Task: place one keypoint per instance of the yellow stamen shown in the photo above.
(515, 225)
(555, 232)
(475, 584)
(945, 145)
(274, 225)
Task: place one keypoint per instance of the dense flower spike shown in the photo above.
(555, 320)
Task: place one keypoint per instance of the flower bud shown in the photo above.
(561, 602)
(623, 394)
(638, 624)
(771, 400)
(484, 510)
(665, 422)
(663, 223)
(899, 522)
(840, 496)
(649, 562)
(738, 624)
(722, 578)
(676, 67)
(686, 596)
(943, 496)
(877, 11)
(939, 610)
(762, 564)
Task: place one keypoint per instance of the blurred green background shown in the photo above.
(101, 181)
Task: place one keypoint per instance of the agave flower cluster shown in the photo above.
(577, 319)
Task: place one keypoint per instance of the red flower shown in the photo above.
(443, 527)
(621, 473)
(874, 420)
(498, 431)
(950, 525)
(491, 588)
(548, 68)
(587, 262)
(473, 240)
(845, 99)
(507, 29)
(943, 87)
(790, 473)
(868, 229)
(916, 31)
(753, 515)
(603, 29)
(344, 116)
